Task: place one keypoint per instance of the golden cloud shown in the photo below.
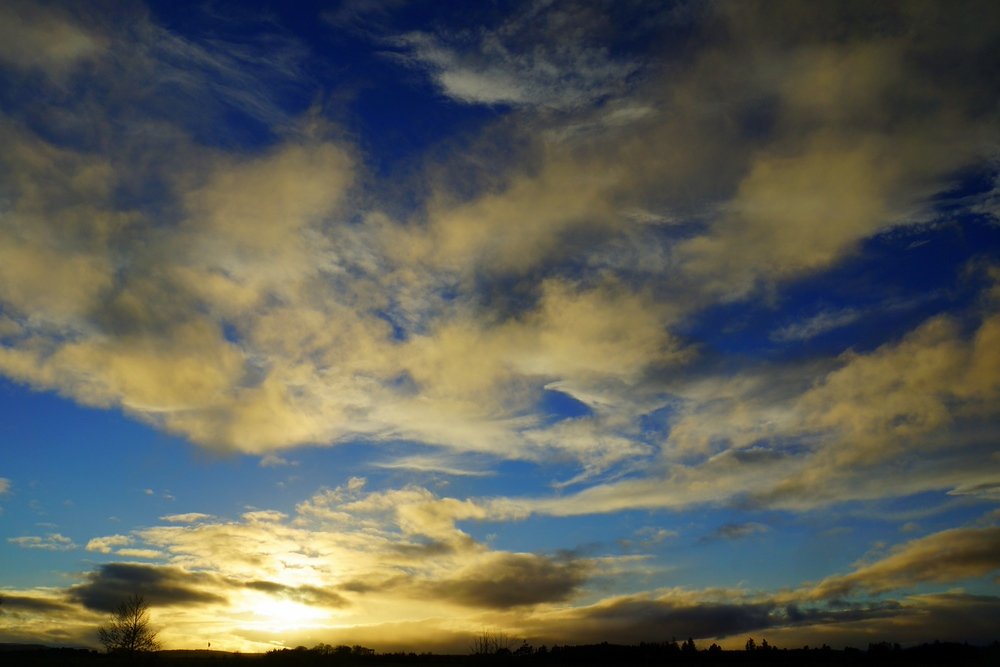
(944, 557)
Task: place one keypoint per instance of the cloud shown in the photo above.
(988, 490)
(637, 618)
(4, 486)
(944, 557)
(44, 179)
(504, 581)
(140, 553)
(957, 617)
(105, 345)
(399, 545)
(816, 325)
(437, 464)
(651, 535)
(374, 560)
(265, 299)
(274, 461)
(187, 517)
(264, 515)
(224, 248)
(378, 555)
(50, 542)
(937, 377)
(309, 595)
(738, 531)
(46, 39)
(105, 588)
(802, 437)
(105, 545)
(540, 56)
(281, 295)
(836, 169)
(807, 211)
(33, 604)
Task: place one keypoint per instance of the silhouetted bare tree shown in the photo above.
(490, 642)
(128, 629)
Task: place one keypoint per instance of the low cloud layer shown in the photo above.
(161, 586)
(945, 557)
(505, 581)
(374, 557)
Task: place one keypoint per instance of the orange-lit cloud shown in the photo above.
(365, 561)
(948, 556)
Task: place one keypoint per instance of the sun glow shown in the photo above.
(278, 615)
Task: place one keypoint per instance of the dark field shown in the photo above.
(560, 656)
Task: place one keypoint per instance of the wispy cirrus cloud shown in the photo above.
(431, 464)
(551, 57)
(49, 542)
(186, 517)
(816, 325)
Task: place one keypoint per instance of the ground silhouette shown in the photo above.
(614, 655)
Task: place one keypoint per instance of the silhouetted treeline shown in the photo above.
(614, 655)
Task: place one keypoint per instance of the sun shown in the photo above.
(281, 615)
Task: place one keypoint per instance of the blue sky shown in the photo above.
(386, 322)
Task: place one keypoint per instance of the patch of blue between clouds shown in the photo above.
(558, 405)
(399, 332)
(891, 283)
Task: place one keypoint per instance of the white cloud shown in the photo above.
(434, 464)
(105, 545)
(541, 56)
(275, 461)
(652, 535)
(50, 542)
(148, 554)
(187, 517)
(264, 515)
(816, 325)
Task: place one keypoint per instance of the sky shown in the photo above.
(390, 323)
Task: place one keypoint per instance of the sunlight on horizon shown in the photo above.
(279, 615)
